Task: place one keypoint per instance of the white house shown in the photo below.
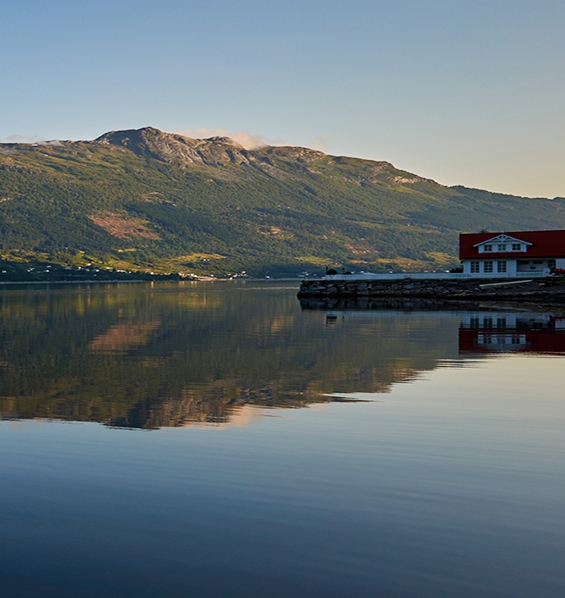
(512, 254)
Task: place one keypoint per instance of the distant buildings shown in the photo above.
(512, 254)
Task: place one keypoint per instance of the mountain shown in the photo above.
(148, 200)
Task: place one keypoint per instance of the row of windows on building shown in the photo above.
(503, 247)
(488, 323)
(488, 267)
(493, 339)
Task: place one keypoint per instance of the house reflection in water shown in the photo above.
(500, 332)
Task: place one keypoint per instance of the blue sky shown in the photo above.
(464, 92)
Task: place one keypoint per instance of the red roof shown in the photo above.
(544, 243)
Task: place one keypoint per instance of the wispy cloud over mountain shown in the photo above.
(37, 139)
(244, 138)
(322, 144)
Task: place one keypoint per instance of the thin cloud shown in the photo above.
(247, 140)
(321, 144)
(34, 139)
(22, 139)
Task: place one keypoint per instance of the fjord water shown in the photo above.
(219, 440)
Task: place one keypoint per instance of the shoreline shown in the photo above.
(112, 281)
(141, 280)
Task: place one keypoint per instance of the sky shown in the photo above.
(463, 92)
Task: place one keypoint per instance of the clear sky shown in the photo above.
(462, 91)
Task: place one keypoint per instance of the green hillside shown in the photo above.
(147, 200)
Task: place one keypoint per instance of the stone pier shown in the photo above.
(544, 290)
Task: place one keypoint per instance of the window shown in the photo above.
(475, 269)
(501, 266)
(523, 262)
(501, 322)
(501, 247)
(487, 247)
(474, 323)
(487, 267)
(487, 323)
(516, 247)
(551, 263)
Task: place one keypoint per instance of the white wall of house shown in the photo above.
(535, 265)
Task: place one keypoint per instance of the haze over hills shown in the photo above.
(148, 200)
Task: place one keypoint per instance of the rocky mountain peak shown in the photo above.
(177, 149)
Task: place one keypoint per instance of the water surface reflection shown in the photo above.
(447, 480)
(143, 356)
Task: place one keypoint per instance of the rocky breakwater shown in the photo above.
(543, 290)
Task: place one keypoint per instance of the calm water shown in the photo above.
(221, 441)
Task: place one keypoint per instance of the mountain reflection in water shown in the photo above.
(142, 356)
